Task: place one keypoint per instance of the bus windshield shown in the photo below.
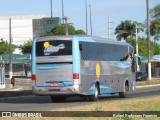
(53, 48)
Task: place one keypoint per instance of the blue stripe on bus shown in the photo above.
(76, 57)
(123, 65)
(105, 91)
(34, 57)
(58, 85)
(51, 66)
(85, 39)
(102, 91)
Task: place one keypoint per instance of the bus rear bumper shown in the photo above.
(39, 91)
(57, 94)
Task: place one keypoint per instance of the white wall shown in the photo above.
(22, 28)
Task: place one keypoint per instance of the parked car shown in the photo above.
(140, 76)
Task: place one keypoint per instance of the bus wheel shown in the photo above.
(123, 94)
(95, 96)
(57, 99)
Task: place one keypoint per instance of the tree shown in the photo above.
(80, 32)
(126, 29)
(155, 29)
(155, 12)
(143, 49)
(26, 47)
(4, 47)
(155, 23)
(60, 30)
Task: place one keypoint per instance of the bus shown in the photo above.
(66, 66)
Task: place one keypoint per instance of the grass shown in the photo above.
(128, 105)
(148, 82)
(134, 104)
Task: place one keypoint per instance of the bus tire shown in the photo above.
(95, 96)
(124, 94)
(57, 99)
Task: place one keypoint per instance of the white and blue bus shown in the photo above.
(64, 66)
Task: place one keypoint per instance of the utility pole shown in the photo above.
(51, 7)
(109, 27)
(10, 49)
(90, 19)
(137, 48)
(148, 37)
(86, 17)
(62, 12)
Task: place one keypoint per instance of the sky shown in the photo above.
(117, 10)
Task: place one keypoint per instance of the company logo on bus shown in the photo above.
(49, 49)
(98, 70)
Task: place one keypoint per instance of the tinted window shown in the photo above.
(53, 48)
(103, 52)
(111, 52)
(89, 51)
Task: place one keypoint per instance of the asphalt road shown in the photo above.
(43, 103)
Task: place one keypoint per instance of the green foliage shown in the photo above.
(80, 32)
(155, 12)
(143, 46)
(155, 28)
(126, 29)
(61, 30)
(26, 47)
(155, 23)
(4, 47)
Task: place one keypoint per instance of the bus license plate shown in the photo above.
(54, 84)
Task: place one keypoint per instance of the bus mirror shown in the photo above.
(139, 61)
(133, 65)
(80, 47)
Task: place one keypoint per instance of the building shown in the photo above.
(24, 28)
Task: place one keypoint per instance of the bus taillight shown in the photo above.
(33, 77)
(75, 76)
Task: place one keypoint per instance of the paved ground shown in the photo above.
(26, 84)
(23, 86)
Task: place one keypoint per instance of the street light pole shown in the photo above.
(137, 48)
(10, 49)
(108, 27)
(51, 7)
(86, 17)
(148, 37)
(62, 12)
(90, 19)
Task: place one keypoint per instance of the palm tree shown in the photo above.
(126, 29)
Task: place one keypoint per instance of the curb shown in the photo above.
(12, 89)
(15, 97)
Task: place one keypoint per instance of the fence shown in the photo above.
(19, 70)
(2, 75)
(155, 69)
